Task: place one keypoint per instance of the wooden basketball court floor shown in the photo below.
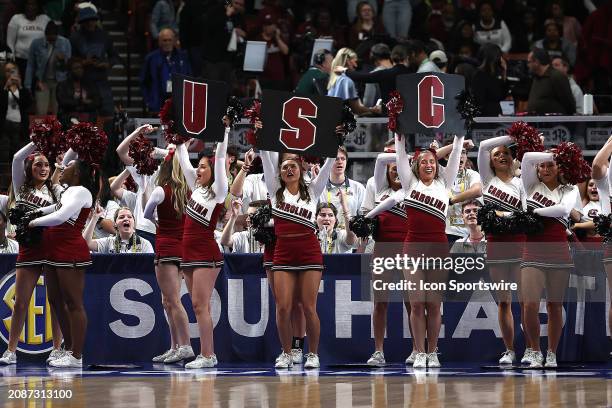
(238, 387)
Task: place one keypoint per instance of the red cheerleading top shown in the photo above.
(170, 225)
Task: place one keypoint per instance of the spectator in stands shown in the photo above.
(24, 28)
(15, 102)
(490, 29)
(241, 242)
(314, 81)
(190, 26)
(555, 45)
(352, 7)
(550, 91)
(419, 58)
(462, 39)
(467, 71)
(380, 54)
(321, 26)
(124, 241)
(6, 54)
(341, 86)
(527, 32)
(163, 16)
(334, 240)
(7, 245)
(274, 75)
(338, 180)
(46, 67)
(439, 58)
(570, 26)
(397, 17)
(158, 67)
(70, 18)
(76, 98)
(562, 65)
(489, 83)
(441, 20)
(475, 242)
(93, 45)
(366, 26)
(222, 29)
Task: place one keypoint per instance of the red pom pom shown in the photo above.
(166, 113)
(571, 163)
(253, 115)
(395, 106)
(140, 150)
(88, 141)
(166, 117)
(527, 139)
(48, 137)
(250, 137)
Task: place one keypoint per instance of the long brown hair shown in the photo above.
(170, 174)
(28, 184)
(302, 188)
(211, 163)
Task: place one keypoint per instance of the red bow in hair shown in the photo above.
(169, 156)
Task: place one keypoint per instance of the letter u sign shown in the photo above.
(195, 101)
(431, 115)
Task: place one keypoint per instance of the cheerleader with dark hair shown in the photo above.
(67, 254)
(504, 251)
(425, 189)
(298, 262)
(546, 257)
(169, 198)
(32, 189)
(201, 259)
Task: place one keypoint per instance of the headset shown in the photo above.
(319, 57)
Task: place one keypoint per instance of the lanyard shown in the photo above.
(329, 187)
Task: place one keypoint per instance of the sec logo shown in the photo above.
(36, 336)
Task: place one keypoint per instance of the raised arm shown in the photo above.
(317, 184)
(380, 170)
(529, 172)
(18, 167)
(237, 185)
(562, 209)
(157, 197)
(188, 171)
(600, 162)
(220, 185)
(484, 156)
(124, 147)
(115, 186)
(452, 168)
(89, 230)
(403, 162)
(72, 201)
(270, 168)
(228, 230)
(387, 204)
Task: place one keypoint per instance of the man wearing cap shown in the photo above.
(93, 44)
(47, 65)
(418, 57)
(439, 58)
(320, 70)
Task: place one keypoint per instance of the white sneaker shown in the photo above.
(537, 359)
(297, 356)
(509, 357)
(411, 358)
(202, 362)
(179, 354)
(55, 354)
(162, 357)
(432, 360)
(377, 359)
(551, 359)
(312, 361)
(67, 361)
(284, 361)
(9, 357)
(528, 356)
(420, 361)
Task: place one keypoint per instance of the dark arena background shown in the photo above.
(200, 275)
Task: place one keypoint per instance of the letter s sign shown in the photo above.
(297, 113)
(431, 115)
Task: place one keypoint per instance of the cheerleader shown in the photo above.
(298, 262)
(67, 254)
(425, 189)
(585, 228)
(546, 257)
(504, 251)
(32, 188)
(170, 198)
(124, 241)
(201, 258)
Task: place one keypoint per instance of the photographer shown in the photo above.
(275, 70)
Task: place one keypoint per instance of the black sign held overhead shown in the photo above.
(430, 104)
(299, 124)
(199, 106)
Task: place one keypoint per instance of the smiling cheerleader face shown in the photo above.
(40, 169)
(501, 158)
(428, 166)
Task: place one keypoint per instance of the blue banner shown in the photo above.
(127, 321)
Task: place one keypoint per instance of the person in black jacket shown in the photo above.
(489, 82)
(15, 102)
(76, 98)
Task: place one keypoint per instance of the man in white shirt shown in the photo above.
(241, 242)
(419, 58)
(7, 245)
(475, 242)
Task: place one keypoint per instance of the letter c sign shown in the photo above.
(430, 114)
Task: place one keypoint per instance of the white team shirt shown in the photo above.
(243, 242)
(253, 189)
(329, 245)
(355, 192)
(107, 246)
(454, 221)
(9, 247)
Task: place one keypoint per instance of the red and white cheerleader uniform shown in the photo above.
(297, 247)
(507, 197)
(548, 248)
(169, 232)
(605, 200)
(65, 246)
(32, 199)
(199, 247)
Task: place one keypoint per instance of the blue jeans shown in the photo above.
(397, 16)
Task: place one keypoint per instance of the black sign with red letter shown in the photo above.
(299, 124)
(199, 106)
(430, 104)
